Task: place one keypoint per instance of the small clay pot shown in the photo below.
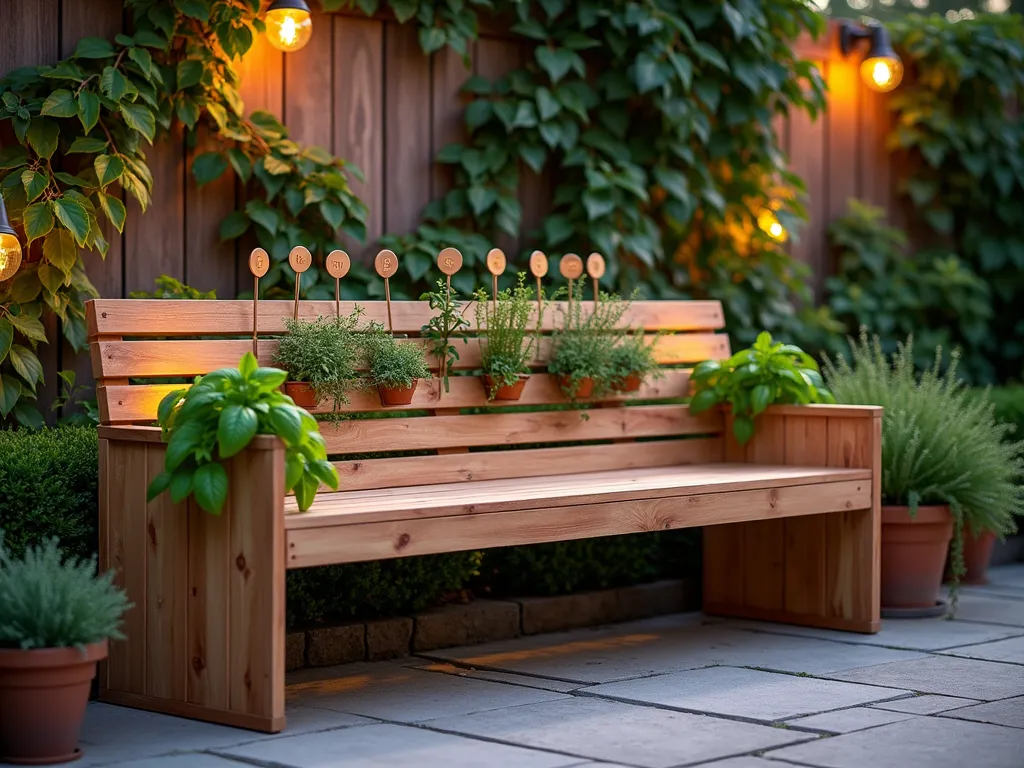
(914, 555)
(397, 395)
(630, 383)
(43, 695)
(584, 386)
(507, 392)
(977, 555)
(301, 393)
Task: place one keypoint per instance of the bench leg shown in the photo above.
(818, 570)
(205, 638)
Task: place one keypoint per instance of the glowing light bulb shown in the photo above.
(771, 226)
(882, 74)
(289, 25)
(10, 256)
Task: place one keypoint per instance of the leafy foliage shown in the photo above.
(390, 362)
(49, 487)
(940, 445)
(82, 128)
(1008, 406)
(47, 601)
(634, 356)
(583, 346)
(506, 341)
(218, 416)
(960, 146)
(168, 287)
(325, 353)
(447, 324)
(752, 379)
(931, 294)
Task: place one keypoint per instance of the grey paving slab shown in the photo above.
(187, 760)
(642, 736)
(929, 742)
(1007, 575)
(747, 762)
(1008, 712)
(530, 681)
(911, 634)
(849, 720)
(1010, 650)
(632, 650)
(405, 694)
(991, 610)
(948, 675)
(928, 704)
(387, 746)
(747, 693)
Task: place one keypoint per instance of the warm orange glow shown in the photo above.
(771, 226)
(882, 74)
(289, 29)
(10, 256)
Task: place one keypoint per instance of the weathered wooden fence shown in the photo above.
(363, 89)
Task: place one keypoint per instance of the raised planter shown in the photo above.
(507, 392)
(301, 393)
(914, 557)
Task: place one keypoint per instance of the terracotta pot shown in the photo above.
(629, 383)
(977, 554)
(43, 694)
(508, 392)
(584, 386)
(397, 395)
(301, 393)
(914, 555)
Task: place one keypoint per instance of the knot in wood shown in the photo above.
(773, 499)
(403, 541)
(198, 664)
(240, 562)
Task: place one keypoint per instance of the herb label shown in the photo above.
(300, 259)
(259, 262)
(338, 264)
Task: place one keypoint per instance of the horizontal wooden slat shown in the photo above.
(404, 471)
(171, 317)
(686, 508)
(459, 431)
(581, 487)
(124, 403)
(150, 358)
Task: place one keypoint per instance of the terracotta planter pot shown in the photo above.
(584, 386)
(977, 554)
(630, 383)
(397, 395)
(914, 555)
(43, 694)
(301, 393)
(508, 392)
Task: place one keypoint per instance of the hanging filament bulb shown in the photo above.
(289, 25)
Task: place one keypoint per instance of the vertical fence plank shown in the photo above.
(449, 72)
(359, 116)
(874, 159)
(807, 141)
(308, 86)
(806, 445)
(843, 161)
(209, 263)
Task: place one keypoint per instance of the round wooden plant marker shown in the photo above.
(300, 259)
(571, 267)
(538, 268)
(496, 266)
(595, 268)
(386, 265)
(338, 265)
(259, 263)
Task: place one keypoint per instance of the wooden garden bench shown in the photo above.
(791, 519)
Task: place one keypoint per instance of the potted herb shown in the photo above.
(217, 417)
(507, 346)
(633, 361)
(946, 466)
(321, 357)
(754, 378)
(447, 323)
(56, 620)
(582, 346)
(394, 367)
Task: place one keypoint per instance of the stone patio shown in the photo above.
(674, 691)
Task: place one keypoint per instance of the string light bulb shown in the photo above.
(10, 247)
(289, 25)
(769, 223)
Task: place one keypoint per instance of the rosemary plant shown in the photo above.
(507, 344)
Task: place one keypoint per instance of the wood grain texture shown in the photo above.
(308, 79)
(448, 73)
(373, 541)
(764, 555)
(208, 601)
(806, 445)
(209, 263)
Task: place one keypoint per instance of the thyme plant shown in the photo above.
(325, 353)
(634, 356)
(506, 340)
(390, 363)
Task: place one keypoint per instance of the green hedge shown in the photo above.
(48, 487)
(1009, 403)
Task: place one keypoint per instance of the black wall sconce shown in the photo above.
(881, 69)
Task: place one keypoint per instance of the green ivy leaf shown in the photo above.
(139, 118)
(481, 199)
(85, 144)
(557, 229)
(241, 163)
(547, 104)
(142, 57)
(93, 48)
(233, 225)
(25, 288)
(60, 250)
(42, 136)
(333, 212)
(113, 208)
(10, 391)
(478, 85)
(404, 9)
(34, 184)
(208, 167)
(210, 486)
(264, 215)
(51, 277)
(27, 365)
(6, 338)
(275, 166)
(88, 109)
(196, 9)
(188, 111)
(432, 39)
(37, 220)
(60, 103)
(190, 72)
(533, 155)
(555, 61)
(108, 169)
(649, 73)
(72, 215)
(711, 56)
(478, 113)
(113, 83)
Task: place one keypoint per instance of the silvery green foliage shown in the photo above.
(47, 603)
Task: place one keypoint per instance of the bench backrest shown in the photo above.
(140, 347)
